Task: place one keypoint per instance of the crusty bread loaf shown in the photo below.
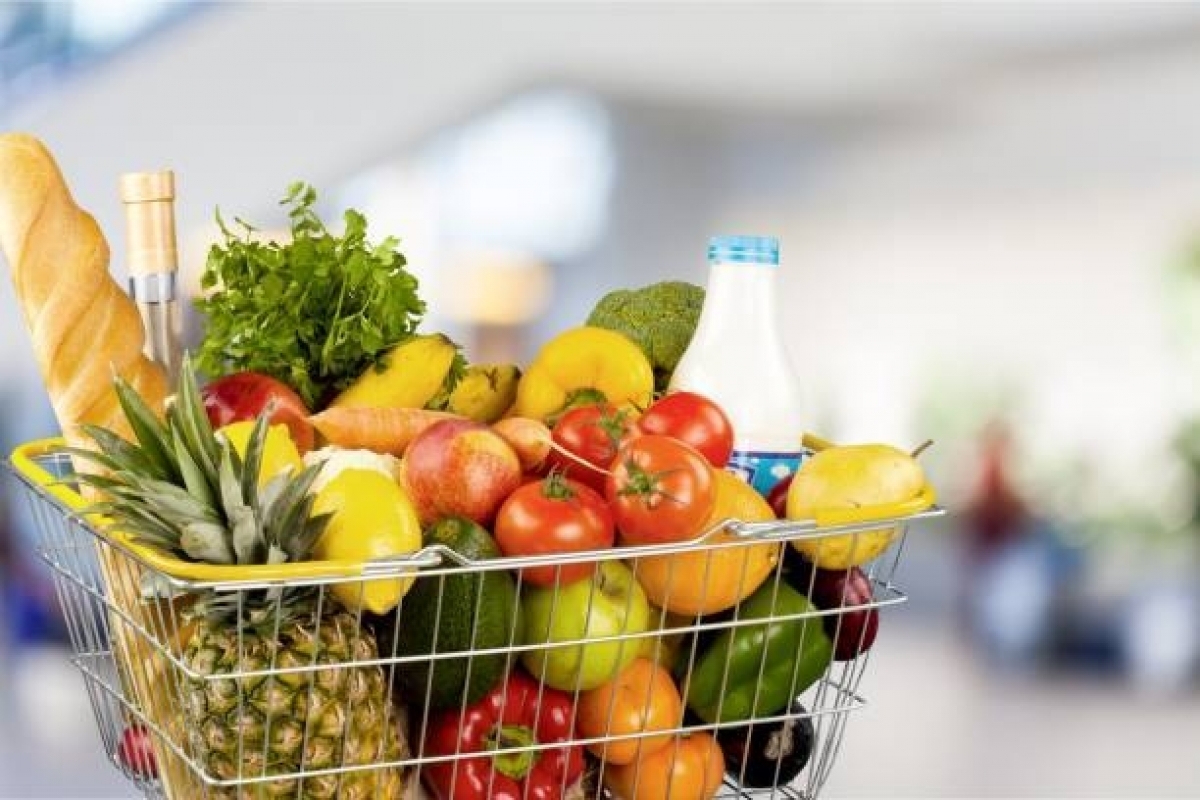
(84, 327)
(84, 330)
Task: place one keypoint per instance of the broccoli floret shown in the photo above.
(660, 318)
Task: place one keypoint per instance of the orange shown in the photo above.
(641, 699)
(709, 580)
(689, 768)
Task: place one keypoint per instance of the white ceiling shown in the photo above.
(242, 98)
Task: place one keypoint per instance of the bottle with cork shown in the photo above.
(153, 261)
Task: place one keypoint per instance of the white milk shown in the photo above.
(737, 358)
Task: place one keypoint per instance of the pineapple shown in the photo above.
(184, 489)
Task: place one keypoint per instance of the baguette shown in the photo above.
(84, 328)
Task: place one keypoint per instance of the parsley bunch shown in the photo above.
(316, 312)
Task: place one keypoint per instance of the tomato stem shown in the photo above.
(555, 486)
(613, 424)
(646, 484)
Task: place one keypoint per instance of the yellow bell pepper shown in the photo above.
(582, 365)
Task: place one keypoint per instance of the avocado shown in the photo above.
(476, 611)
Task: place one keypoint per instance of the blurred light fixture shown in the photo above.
(42, 43)
(395, 197)
(534, 175)
(106, 23)
(496, 288)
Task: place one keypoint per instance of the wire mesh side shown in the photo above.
(335, 702)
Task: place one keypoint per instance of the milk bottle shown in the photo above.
(737, 359)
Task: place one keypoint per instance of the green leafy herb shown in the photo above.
(316, 312)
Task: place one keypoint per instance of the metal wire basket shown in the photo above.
(231, 717)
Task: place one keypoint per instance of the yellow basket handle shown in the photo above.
(24, 460)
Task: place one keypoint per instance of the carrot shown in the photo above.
(529, 438)
(384, 430)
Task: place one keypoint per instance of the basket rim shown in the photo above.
(27, 460)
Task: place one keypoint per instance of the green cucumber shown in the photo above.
(455, 613)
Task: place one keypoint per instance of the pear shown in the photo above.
(848, 477)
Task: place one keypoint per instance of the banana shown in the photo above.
(413, 372)
(484, 392)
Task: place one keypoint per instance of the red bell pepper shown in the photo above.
(517, 713)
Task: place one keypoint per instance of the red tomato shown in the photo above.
(660, 490)
(694, 419)
(554, 515)
(592, 433)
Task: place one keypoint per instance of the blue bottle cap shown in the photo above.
(744, 250)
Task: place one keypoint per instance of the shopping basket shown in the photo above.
(126, 609)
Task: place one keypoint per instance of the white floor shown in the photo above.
(49, 747)
(937, 726)
(940, 726)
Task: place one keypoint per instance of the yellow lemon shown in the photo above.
(372, 518)
(279, 453)
(335, 460)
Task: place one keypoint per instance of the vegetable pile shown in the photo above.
(593, 623)
(315, 312)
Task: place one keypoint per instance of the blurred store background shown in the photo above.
(990, 222)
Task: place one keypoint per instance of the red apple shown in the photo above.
(853, 632)
(459, 467)
(136, 752)
(244, 395)
(777, 497)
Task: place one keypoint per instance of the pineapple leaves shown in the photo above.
(190, 427)
(193, 420)
(302, 543)
(205, 541)
(242, 524)
(290, 510)
(193, 475)
(147, 427)
(143, 526)
(244, 534)
(184, 489)
(116, 453)
(239, 497)
(252, 465)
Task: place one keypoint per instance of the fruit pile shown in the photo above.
(606, 642)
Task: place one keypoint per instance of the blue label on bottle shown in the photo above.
(763, 470)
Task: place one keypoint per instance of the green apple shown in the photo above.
(610, 603)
